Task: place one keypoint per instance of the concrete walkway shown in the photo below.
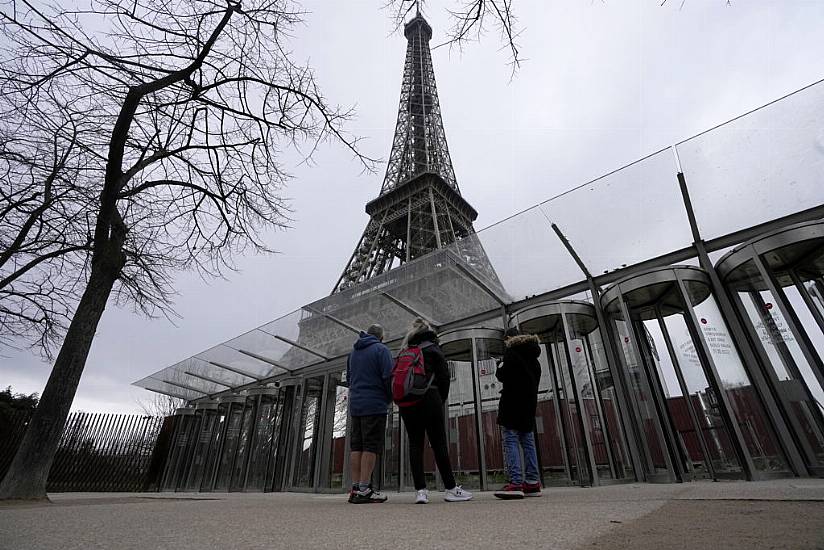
(774, 514)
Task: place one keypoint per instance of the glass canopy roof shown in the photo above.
(762, 166)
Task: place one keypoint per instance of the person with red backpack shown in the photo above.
(420, 386)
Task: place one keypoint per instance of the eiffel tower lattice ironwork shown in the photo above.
(420, 207)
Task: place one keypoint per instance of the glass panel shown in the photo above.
(813, 332)
(642, 401)
(200, 454)
(230, 442)
(489, 351)
(551, 450)
(392, 450)
(179, 456)
(747, 409)
(569, 410)
(528, 266)
(214, 447)
(338, 450)
(266, 428)
(702, 401)
(461, 429)
(309, 431)
(770, 159)
(641, 206)
(609, 409)
(795, 383)
(239, 470)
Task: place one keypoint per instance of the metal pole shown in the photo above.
(579, 398)
(479, 427)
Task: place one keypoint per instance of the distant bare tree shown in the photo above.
(141, 137)
(159, 404)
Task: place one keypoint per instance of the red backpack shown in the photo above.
(409, 379)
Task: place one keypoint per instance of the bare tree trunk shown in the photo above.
(29, 471)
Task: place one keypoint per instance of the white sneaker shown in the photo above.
(457, 494)
(422, 497)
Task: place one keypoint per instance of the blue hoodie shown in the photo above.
(369, 374)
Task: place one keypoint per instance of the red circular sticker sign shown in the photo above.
(768, 305)
(578, 349)
(703, 321)
(626, 338)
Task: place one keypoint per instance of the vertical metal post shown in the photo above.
(479, 427)
(409, 230)
(808, 300)
(579, 399)
(435, 218)
(599, 405)
(553, 378)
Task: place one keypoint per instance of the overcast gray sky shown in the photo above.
(605, 83)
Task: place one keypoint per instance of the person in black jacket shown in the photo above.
(427, 416)
(520, 374)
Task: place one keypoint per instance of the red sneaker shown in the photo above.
(532, 489)
(510, 491)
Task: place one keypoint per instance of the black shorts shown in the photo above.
(368, 433)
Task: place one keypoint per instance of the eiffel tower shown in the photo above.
(420, 207)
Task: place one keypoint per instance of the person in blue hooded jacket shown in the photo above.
(369, 375)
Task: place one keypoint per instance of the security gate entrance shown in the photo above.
(777, 284)
(697, 413)
(579, 431)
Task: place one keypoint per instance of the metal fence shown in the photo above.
(98, 452)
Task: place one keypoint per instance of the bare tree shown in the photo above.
(44, 230)
(158, 125)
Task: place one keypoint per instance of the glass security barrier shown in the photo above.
(203, 439)
(229, 443)
(186, 424)
(777, 284)
(697, 412)
(579, 431)
(214, 447)
(306, 444)
(334, 460)
(472, 431)
(263, 439)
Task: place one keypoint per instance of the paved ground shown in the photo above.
(775, 514)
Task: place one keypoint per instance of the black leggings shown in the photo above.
(427, 416)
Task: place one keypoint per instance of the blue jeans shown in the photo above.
(514, 441)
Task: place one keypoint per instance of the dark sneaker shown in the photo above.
(368, 497)
(510, 491)
(532, 489)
